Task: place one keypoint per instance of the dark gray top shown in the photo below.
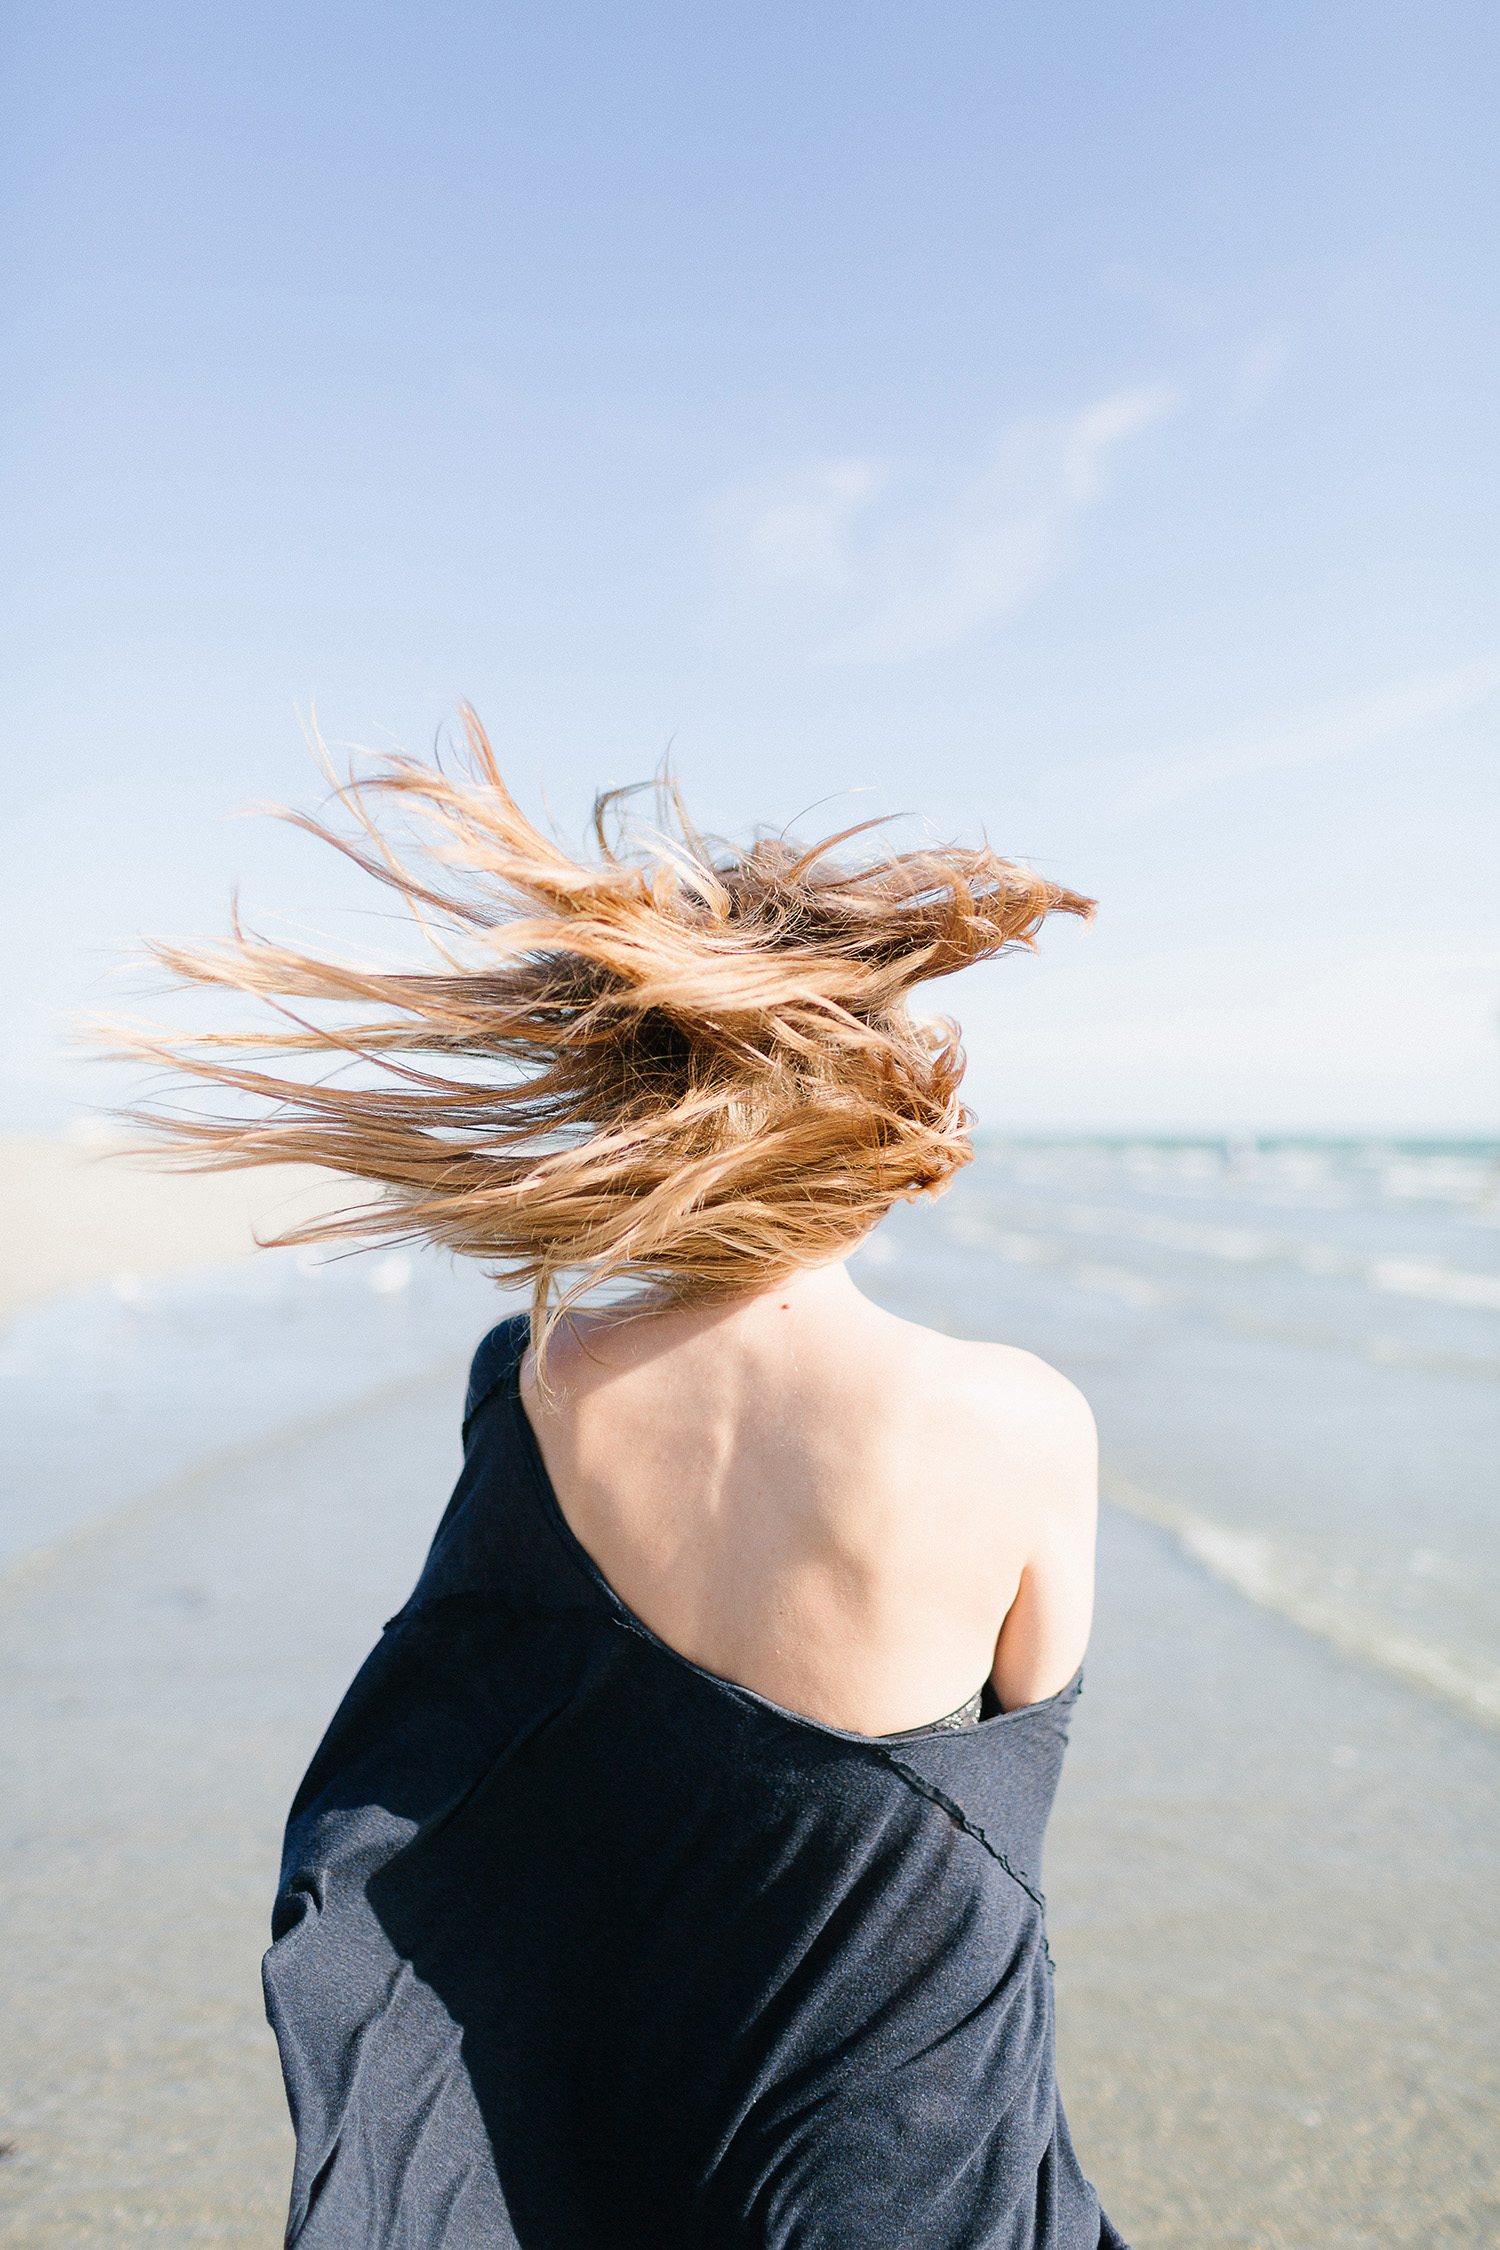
(579, 1947)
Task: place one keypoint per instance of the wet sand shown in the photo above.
(1274, 1879)
(1274, 1875)
(166, 1675)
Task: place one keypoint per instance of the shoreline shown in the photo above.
(1252, 1565)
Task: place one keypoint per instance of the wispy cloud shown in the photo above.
(1335, 730)
(876, 574)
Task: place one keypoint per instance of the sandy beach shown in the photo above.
(1274, 1874)
(72, 1213)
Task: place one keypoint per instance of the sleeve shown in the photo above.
(499, 1355)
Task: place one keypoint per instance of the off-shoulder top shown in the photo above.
(581, 1947)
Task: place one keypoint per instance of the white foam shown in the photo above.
(1035, 1250)
(1441, 1179)
(1237, 1245)
(1117, 1282)
(1280, 1578)
(1429, 1277)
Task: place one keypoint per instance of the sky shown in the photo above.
(1067, 426)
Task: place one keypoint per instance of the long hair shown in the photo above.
(687, 1065)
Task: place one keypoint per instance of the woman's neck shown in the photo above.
(806, 1303)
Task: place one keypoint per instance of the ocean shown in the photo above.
(1292, 1347)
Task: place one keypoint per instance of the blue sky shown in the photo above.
(1071, 425)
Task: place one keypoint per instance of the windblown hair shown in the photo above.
(687, 1066)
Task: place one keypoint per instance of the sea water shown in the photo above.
(1292, 1348)
(108, 1394)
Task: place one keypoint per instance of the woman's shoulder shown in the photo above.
(1002, 1387)
(496, 1358)
(1011, 1443)
(1014, 1432)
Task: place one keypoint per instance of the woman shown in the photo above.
(669, 1874)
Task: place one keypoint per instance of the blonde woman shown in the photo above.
(668, 1878)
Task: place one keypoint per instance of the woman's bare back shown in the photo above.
(858, 1518)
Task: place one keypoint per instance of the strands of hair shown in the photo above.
(688, 1066)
